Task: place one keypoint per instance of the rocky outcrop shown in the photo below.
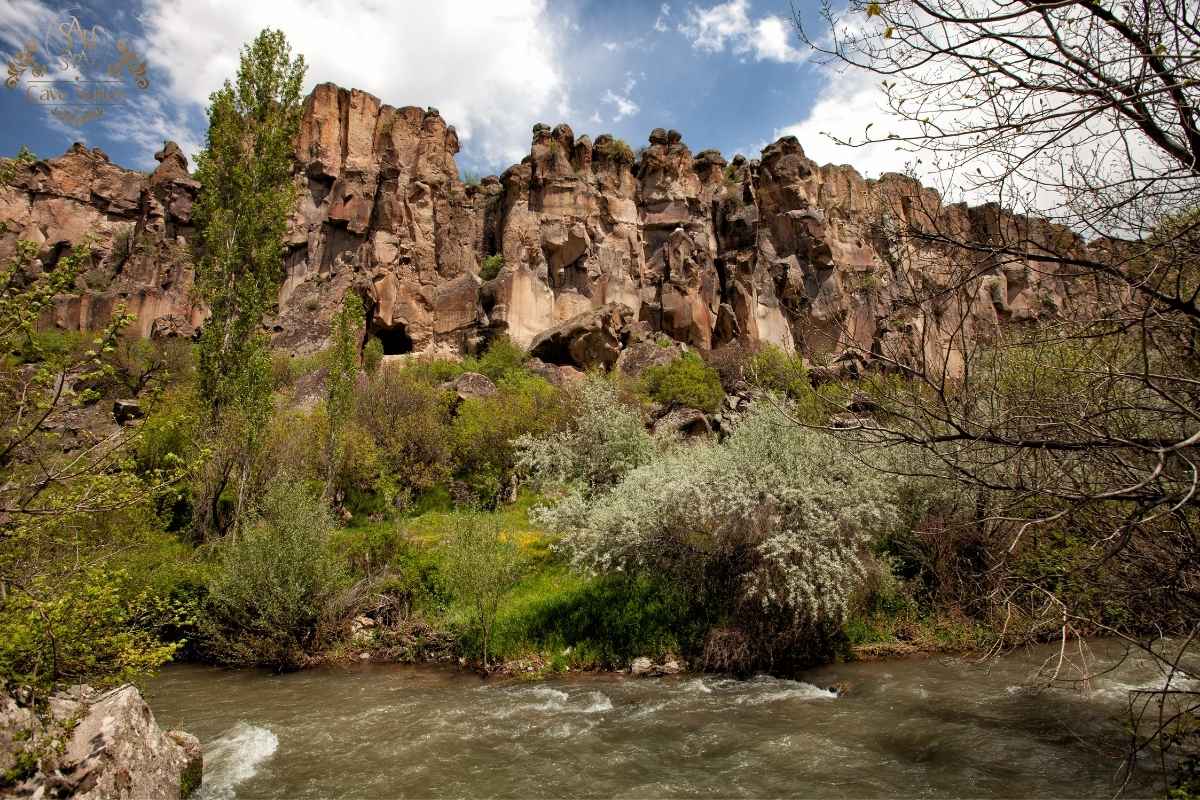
(95, 746)
(599, 247)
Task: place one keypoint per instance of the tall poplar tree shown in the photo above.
(241, 218)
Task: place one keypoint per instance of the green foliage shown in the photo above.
(604, 621)
(483, 564)
(246, 195)
(87, 629)
(687, 381)
(485, 430)
(603, 439)
(9, 166)
(408, 419)
(491, 267)
(372, 355)
(341, 377)
(766, 527)
(774, 370)
(275, 583)
(615, 149)
(502, 358)
(72, 515)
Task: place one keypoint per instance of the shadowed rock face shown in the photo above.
(776, 250)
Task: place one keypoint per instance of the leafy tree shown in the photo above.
(241, 216)
(1082, 115)
(483, 565)
(67, 512)
(342, 375)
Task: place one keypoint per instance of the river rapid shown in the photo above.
(937, 727)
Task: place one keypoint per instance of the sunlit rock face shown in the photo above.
(813, 259)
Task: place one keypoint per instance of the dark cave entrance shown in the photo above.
(395, 340)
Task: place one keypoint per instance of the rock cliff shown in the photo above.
(599, 245)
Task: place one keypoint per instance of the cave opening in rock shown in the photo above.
(395, 340)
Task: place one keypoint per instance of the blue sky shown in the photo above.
(729, 75)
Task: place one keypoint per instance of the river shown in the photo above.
(938, 727)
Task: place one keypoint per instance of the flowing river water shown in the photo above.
(937, 727)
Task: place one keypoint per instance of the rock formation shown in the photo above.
(600, 247)
(93, 746)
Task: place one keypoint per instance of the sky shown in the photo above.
(732, 75)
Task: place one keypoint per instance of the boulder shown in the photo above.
(683, 422)
(98, 746)
(593, 338)
(127, 410)
(639, 356)
(471, 385)
(641, 666)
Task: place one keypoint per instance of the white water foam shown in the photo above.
(234, 758)
(773, 691)
(600, 702)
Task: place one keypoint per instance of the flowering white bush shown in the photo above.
(775, 518)
(604, 441)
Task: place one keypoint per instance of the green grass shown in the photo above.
(555, 615)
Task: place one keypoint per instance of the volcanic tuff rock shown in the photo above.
(600, 247)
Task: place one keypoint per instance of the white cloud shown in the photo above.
(595, 118)
(146, 123)
(660, 22)
(489, 67)
(610, 46)
(729, 25)
(625, 107)
(846, 104)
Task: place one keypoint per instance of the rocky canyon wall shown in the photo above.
(600, 245)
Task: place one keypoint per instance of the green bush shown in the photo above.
(485, 430)
(408, 418)
(372, 355)
(91, 626)
(615, 149)
(765, 528)
(502, 358)
(774, 370)
(273, 596)
(603, 439)
(483, 564)
(687, 381)
(491, 267)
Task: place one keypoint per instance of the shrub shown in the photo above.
(408, 418)
(615, 149)
(486, 430)
(372, 355)
(767, 527)
(491, 267)
(275, 582)
(686, 381)
(502, 358)
(483, 564)
(772, 369)
(603, 440)
(85, 627)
